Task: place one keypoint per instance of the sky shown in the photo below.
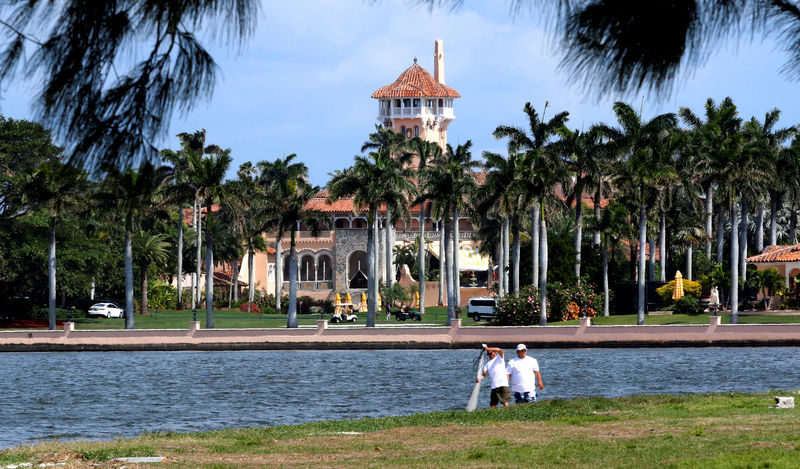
(303, 83)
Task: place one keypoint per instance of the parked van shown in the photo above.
(481, 307)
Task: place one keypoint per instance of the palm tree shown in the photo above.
(57, 188)
(425, 152)
(207, 175)
(707, 137)
(376, 179)
(135, 193)
(179, 162)
(613, 226)
(640, 142)
(148, 249)
(278, 180)
(540, 134)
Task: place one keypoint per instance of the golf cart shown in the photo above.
(403, 314)
(344, 317)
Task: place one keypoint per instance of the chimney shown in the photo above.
(438, 62)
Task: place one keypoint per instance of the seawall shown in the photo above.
(435, 337)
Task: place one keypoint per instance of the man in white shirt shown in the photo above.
(496, 369)
(522, 371)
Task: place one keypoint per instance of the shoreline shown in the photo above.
(584, 335)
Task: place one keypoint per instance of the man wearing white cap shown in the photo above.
(523, 371)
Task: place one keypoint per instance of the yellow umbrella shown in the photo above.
(379, 302)
(337, 305)
(363, 302)
(677, 294)
(348, 298)
(416, 299)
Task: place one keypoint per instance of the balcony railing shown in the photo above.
(310, 285)
(397, 113)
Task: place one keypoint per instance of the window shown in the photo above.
(407, 102)
(402, 130)
(396, 103)
(441, 103)
(416, 131)
(408, 133)
(416, 102)
(430, 104)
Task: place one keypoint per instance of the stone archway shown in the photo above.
(357, 269)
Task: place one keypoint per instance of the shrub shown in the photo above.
(522, 309)
(253, 307)
(161, 296)
(62, 314)
(688, 305)
(573, 301)
(690, 288)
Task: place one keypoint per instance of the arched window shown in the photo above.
(341, 223)
(357, 270)
(402, 130)
(307, 268)
(324, 268)
(416, 131)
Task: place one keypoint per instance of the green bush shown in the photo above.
(690, 288)
(522, 309)
(688, 305)
(62, 314)
(573, 301)
(161, 296)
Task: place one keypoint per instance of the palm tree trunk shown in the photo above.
(251, 278)
(543, 271)
(743, 241)
(578, 233)
(605, 282)
(689, 254)
(516, 258)
(535, 244)
(720, 236)
(421, 258)
(278, 272)
(760, 227)
(143, 272)
(209, 271)
(448, 267)
(196, 272)
(501, 289)
(773, 218)
(389, 265)
(662, 244)
(506, 254)
(734, 262)
(793, 225)
(651, 264)
(291, 316)
(199, 249)
(235, 278)
(51, 267)
(597, 196)
(128, 278)
(709, 217)
(179, 305)
(442, 272)
(641, 281)
(371, 302)
(456, 263)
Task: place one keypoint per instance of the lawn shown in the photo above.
(724, 430)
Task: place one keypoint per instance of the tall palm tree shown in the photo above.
(278, 180)
(425, 152)
(208, 175)
(541, 132)
(135, 193)
(148, 249)
(375, 179)
(57, 188)
(639, 141)
(179, 165)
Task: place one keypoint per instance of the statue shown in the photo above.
(713, 301)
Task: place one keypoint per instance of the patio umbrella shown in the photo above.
(379, 302)
(416, 299)
(363, 302)
(677, 294)
(348, 299)
(337, 305)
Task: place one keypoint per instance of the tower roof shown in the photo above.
(415, 81)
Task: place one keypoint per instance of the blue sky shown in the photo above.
(303, 83)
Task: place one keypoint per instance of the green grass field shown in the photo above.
(170, 319)
(726, 430)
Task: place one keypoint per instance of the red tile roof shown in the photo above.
(415, 81)
(779, 253)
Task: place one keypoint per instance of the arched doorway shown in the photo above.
(357, 270)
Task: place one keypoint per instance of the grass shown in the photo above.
(726, 430)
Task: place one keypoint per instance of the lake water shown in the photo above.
(106, 395)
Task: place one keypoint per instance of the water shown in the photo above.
(101, 396)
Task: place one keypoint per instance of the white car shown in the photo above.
(107, 310)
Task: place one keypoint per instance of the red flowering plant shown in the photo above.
(573, 301)
(523, 309)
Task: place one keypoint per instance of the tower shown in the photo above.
(417, 104)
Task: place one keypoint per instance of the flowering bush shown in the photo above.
(522, 309)
(573, 301)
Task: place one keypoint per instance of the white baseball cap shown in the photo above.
(522, 347)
